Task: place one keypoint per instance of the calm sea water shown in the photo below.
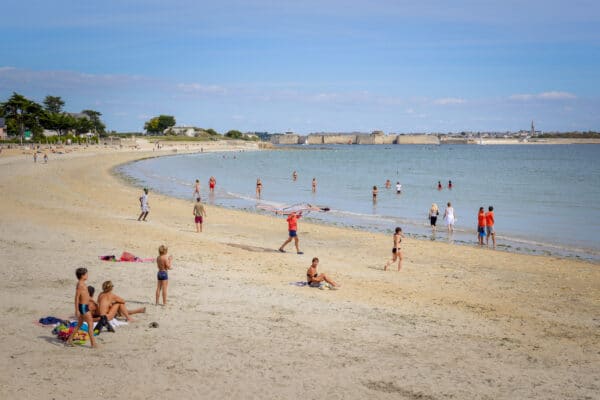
(546, 198)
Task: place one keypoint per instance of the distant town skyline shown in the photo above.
(312, 66)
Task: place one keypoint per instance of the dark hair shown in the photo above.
(198, 198)
(398, 229)
(79, 272)
(315, 259)
(91, 291)
(480, 208)
(491, 208)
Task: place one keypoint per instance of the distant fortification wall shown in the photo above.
(285, 139)
(417, 139)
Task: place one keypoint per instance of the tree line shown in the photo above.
(22, 114)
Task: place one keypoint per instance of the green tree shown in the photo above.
(21, 114)
(59, 122)
(159, 124)
(211, 132)
(233, 134)
(53, 104)
(97, 125)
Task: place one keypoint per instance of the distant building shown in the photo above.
(3, 129)
(189, 131)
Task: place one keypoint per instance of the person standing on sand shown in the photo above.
(433, 215)
(144, 205)
(196, 193)
(35, 156)
(396, 251)
(449, 218)
(164, 264)
(292, 221)
(199, 214)
(489, 226)
(481, 224)
(82, 309)
(314, 279)
(211, 184)
(45, 158)
(258, 187)
(314, 185)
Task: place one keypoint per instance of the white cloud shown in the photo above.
(449, 101)
(553, 95)
(199, 88)
(556, 95)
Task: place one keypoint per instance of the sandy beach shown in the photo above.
(457, 322)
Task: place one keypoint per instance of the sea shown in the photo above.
(546, 198)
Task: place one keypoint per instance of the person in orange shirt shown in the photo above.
(481, 222)
(292, 221)
(489, 220)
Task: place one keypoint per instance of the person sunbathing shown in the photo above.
(315, 279)
(111, 305)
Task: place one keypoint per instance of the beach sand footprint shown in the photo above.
(252, 248)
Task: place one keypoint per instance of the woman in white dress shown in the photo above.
(449, 218)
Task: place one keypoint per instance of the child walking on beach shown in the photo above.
(144, 205)
(292, 221)
(82, 309)
(396, 251)
(164, 264)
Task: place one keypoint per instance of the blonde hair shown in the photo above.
(162, 249)
(107, 286)
(434, 207)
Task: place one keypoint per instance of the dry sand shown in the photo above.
(457, 322)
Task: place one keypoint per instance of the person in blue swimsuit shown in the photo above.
(82, 309)
(163, 262)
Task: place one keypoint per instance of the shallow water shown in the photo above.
(545, 198)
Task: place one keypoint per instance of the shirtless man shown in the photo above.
(314, 185)
(314, 279)
(111, 305)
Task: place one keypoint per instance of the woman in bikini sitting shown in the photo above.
(314, 279)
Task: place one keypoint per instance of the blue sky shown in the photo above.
(311, 66)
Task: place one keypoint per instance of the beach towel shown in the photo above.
(299, 283)
(125, 257)
(50, 321)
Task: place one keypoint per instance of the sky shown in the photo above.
(311, 66)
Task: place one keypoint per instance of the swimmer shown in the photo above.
(211, 184)
(374, 192)
(388, 184)
(398, 188)
(314, 185)
(449, 184)
(196, 193)
(439, 185)
(294, 176)
(258, 187)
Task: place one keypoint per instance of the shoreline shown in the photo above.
(507, 244)
(455, 322)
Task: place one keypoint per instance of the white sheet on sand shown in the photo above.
(114, 322)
